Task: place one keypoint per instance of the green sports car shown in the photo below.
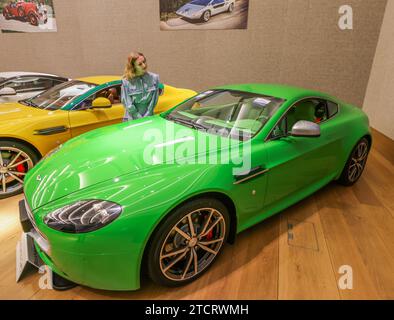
(162, 195)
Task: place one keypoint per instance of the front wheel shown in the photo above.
(6, 14)
(231, 8)
(16, 159)
(187, 242)
(356, 163)
(206, 16)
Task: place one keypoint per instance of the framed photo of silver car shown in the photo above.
(27, 16)
(203, 14)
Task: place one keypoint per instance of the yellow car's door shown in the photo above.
(83, 118)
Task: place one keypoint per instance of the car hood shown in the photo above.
(15, 113)
(110, 152)
(190, 8)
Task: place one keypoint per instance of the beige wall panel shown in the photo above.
(295, 42)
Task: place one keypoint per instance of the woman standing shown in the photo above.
(140, 88)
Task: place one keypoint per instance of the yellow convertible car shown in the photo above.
(30, 128)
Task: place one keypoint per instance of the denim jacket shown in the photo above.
(140, 96)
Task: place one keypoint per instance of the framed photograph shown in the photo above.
(203, 14)
(27, 16)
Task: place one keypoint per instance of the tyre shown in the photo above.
(356, 163)
(231, 8)
(33, 19)
(187, 243)
(16, 159)
(206, 16)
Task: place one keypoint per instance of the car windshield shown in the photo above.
(228, 113)
(200, 2)
(59, 96)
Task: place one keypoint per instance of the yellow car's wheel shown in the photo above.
(16, 159)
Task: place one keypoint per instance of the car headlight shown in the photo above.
(83, 216)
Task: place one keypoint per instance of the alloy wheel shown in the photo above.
(207, 16)
(358, 161)
(192, 244)
(33, 20)
(14, 164)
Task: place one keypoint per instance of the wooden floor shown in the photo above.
(294, 255)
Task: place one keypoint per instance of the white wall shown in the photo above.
(379, 100)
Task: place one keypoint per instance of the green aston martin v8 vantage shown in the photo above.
(163, 195)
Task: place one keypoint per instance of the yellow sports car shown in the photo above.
(30, 128)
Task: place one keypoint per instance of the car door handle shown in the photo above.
(254, 173)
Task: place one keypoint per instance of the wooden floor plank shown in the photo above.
(304, 271)
(342, 246)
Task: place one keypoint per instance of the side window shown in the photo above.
(41, 84)
(28, 84)
(24, 84)
(332, 109)
(313, 110)
(112, 94)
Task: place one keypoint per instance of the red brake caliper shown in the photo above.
(20, 168)
(210, 235)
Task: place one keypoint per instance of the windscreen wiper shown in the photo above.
(187, 123)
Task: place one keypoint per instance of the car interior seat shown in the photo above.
(302, 111)
(320, 112)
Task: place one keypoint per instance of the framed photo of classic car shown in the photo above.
(27, 16)
(203, 14)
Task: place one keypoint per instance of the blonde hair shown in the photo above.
(130, 69)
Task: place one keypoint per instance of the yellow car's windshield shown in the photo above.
(60, 95)
(228, 113)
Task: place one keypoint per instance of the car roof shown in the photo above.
(99, 80)
(13, 74)
(276, 90)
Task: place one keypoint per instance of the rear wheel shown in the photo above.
(356, 163)
(206, 16)
(16, 159)
(33, 19)
(187, 242)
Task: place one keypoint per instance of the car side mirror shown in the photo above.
(306, 129)
(101, 103)
(7, 91)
